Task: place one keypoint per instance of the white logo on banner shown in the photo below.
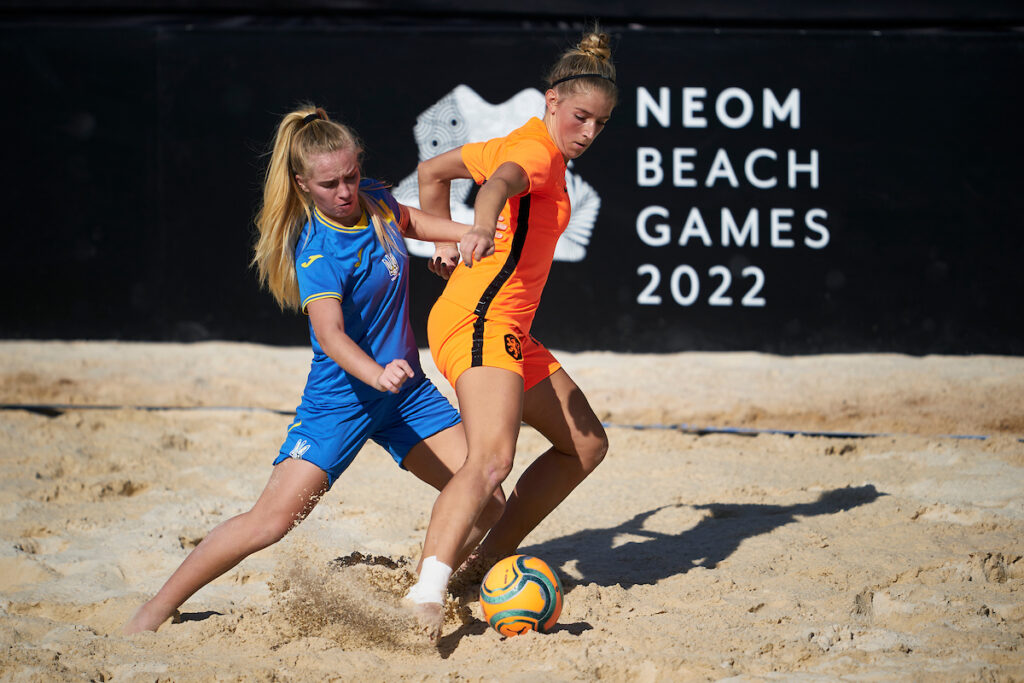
(463, 116)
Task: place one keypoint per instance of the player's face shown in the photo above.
(576, 121)
(333, 184)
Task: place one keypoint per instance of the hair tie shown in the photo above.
(569, 78)
(310, 117)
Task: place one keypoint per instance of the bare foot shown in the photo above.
(429, 618)
(146, 618)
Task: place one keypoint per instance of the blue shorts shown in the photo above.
(330, 438)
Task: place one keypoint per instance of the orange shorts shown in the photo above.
(459, 340)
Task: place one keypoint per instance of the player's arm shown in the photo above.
(329, 327)
(435, 178)
(508, 180)
(435, 181)
(431, 228)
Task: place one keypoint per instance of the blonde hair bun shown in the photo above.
(586, 66)
(597, 45)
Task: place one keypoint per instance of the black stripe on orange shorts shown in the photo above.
(459, 340)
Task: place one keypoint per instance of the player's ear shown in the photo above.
(551, 100)
(301, 183)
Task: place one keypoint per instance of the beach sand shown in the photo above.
(815, 518)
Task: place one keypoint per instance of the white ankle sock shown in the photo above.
(432, 583)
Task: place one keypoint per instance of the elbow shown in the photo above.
(426, 173)
(498, 187)
(434, 172)
(495, 184)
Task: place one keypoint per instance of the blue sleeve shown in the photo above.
(319, 276)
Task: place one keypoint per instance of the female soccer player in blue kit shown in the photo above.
(330, 245)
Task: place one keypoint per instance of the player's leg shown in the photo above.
(434, 461)
(294, 488)
(491, 403)
(425, 435)
(491, 400)
(557, 408)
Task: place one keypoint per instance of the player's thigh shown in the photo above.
(293, 490)
(436, 458)
(423, 433)
(491, 403)
(558, 409)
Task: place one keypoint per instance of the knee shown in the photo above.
(268, 528)
(497, 472)
(494, 468)
(592, 449)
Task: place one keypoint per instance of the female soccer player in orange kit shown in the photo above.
(479, 329)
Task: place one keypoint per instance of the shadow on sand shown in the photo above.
(713, 539)
(182, 617)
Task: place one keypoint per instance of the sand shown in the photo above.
(821, 518)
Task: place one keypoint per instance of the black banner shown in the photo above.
(936, 12)
(774, 190)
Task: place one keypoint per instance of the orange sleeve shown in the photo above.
(483, 158)
(473, 156)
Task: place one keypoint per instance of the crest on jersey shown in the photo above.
(391, 263)
(513, 347)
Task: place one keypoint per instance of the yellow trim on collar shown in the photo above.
(335, 225)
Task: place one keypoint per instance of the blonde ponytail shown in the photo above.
(285, 208)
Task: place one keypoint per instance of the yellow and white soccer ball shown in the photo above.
(521, 593)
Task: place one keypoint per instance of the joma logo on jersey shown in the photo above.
(391, 263)
(312, 258)
(299, 449)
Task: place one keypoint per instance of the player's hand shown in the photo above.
(446, 257)
(475, 245)
(394, 375)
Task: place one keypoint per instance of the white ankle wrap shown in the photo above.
(432, 583)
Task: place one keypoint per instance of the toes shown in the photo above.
(429, 619)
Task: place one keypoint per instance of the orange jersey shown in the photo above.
(507, 285)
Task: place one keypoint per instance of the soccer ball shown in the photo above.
(519, 594)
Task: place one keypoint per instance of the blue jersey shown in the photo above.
(351, 265)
